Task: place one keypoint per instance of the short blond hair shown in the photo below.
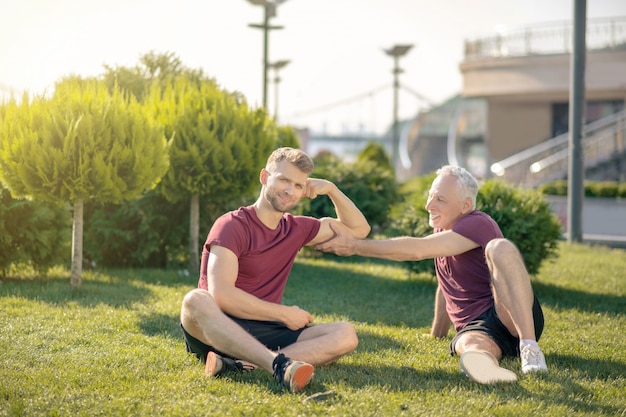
(297, 157)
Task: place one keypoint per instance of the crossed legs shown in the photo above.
(317, 345)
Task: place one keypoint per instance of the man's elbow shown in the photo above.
(363, 231)
(219, 295)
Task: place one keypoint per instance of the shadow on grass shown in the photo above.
(164, 325)
(361, 296)
(398, 379)
(111, 287)
(405, 379)
(560, 298)
(569, 386)
(100, 288)
(588, 368)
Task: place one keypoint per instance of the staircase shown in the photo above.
(604, 155)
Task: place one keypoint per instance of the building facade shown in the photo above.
(515, 94)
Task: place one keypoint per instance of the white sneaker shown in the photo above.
(532, 360)
(484, 369)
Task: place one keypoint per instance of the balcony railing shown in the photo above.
(548, 38)
(602, 140)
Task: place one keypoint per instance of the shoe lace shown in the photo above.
(236, 365)
(281, 362)
(529, 355)
(240, 367)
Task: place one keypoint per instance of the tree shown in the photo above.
(84, 143)
(218, 146)
(153, 68)
(34, 233)
(286, 136)
(375, 153)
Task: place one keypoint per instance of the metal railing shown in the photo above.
(548, 38)
(602, 140)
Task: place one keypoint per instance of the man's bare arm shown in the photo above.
(403, 248)
(441, 320)
(222, 272)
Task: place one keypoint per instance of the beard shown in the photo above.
(279, 204)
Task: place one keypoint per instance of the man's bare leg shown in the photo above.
(512, 291)
(202, 318)
(479, 359)
(514, 297)
(323, 343)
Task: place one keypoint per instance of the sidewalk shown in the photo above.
(603, 219)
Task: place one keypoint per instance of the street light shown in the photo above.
(276, 66)
(396, 52)
(269, 7)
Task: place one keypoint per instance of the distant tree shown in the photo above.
(153, 68)
(375, 153)
(286, 136)
(84, 143)
(218, 146)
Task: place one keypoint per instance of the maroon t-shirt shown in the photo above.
(464, 279)
(265, 255)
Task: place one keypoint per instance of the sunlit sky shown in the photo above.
(339, 78)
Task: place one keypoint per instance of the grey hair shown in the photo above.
(466, 181)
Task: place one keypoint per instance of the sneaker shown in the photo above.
(532, 359)
(293, 375)
(217, 365)
(484, 369)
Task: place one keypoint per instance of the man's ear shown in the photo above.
(467, 205)
(263, 176)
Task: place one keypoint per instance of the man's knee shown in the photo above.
(198, 301)
(477, 341)
(349, 338)
(500, 249)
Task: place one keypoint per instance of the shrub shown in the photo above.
(604, 189)
(375, 152)
(558, 188)
(410, 218)
(524, 217)
(33, 233)
(371, 187)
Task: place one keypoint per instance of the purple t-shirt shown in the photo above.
(464, 279)
(265, 255)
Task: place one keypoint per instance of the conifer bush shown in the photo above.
(371, 187)
(32, 233)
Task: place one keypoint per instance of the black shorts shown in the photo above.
(489, 323)
(273, 335)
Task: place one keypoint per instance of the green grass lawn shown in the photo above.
(114, 347)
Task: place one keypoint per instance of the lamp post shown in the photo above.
(276, 66)
(575, 179)
(269, 7)
(396, 52)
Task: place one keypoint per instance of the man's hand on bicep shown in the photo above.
(333, 237)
